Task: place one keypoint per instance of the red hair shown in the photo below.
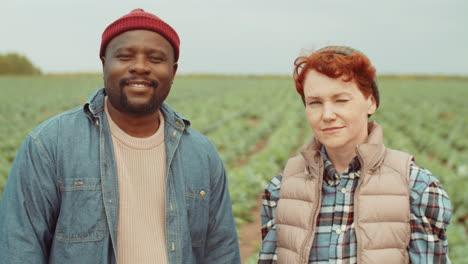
(354, 67)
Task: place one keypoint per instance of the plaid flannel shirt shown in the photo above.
(335, 239)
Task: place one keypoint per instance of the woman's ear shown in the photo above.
(372, 105)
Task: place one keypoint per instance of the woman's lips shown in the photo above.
(330, 130)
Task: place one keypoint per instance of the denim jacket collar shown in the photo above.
(94, 107)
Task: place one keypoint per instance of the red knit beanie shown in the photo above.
(139, 19)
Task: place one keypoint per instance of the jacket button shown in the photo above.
(338, 231)
(174, 133)
(202, 193)
(343, 190)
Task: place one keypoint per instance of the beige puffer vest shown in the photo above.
(381, 203)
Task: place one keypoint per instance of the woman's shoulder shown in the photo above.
(273, 188)
(421, 180)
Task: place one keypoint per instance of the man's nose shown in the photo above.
(140, 66)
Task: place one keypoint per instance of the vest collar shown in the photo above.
(372, 153)
(312, 156)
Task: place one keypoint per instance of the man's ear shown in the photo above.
(103, 60)
(174, 68)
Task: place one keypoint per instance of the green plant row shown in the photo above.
(257, 123)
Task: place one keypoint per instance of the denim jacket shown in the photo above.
(61, 201)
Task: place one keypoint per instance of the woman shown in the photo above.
(347, 198)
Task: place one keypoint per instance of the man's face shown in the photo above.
(337, 111)
(138, 69)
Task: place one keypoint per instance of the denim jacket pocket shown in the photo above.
(81, 216)
(197, 200)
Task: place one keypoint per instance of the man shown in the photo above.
(347, 198)
(123, 178)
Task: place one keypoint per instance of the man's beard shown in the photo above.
(141, 109)
(149, 107)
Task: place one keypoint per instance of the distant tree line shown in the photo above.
(16, 64)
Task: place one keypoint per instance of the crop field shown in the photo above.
(257, 123)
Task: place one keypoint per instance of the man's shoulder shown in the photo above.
(197, 136)
(199, 143)
(191, 138)
(56, 124)
(71, 120)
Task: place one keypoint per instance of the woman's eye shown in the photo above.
(342, 100)
(314, 102)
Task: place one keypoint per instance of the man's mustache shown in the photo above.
(124, 81)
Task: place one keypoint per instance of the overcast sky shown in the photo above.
(249, 36)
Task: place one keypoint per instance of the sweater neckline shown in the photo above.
(150, 142)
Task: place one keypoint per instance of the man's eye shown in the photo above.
(123, 56)
(342, 100)
(314, 102)
(156, 59)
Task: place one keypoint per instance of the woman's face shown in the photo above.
(337, 111)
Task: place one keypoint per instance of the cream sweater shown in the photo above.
(141, 170)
